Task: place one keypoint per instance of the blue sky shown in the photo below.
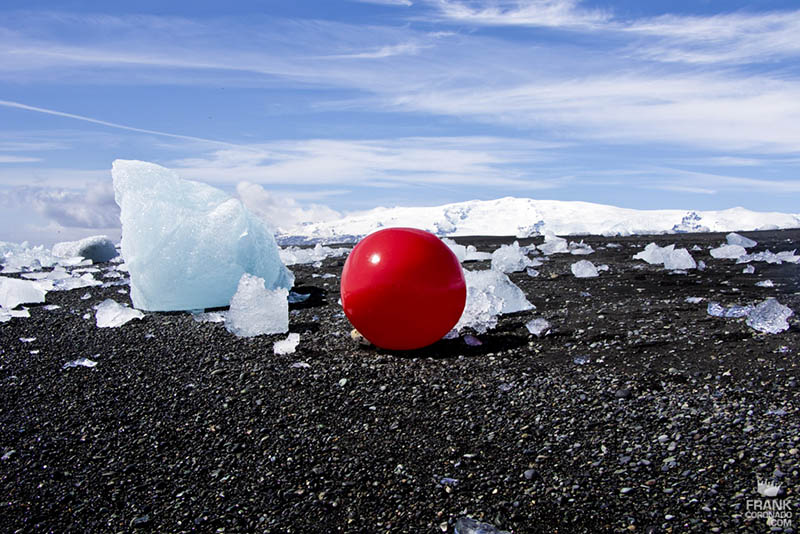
(331, 106)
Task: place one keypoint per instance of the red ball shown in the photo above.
(403, 288)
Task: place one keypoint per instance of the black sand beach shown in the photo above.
(182, 427)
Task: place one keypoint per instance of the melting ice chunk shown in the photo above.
(459, 250)
(489, 294)
(768, 256)
(80, 362)
(187, 244)
(553, 245)
(765, 283)
(111, 314)
(68, 284)
(288, 345)
(728, 252)
(584, 269)
(14, 292)
(735, 239)
(297, 255)
(474, 255)
(769, 317)
(7, 315)
(580, 249)
(467, 525)
(668, 256)
(749, 270)
(715, 309)
(256, 310)
(510, 259)
(98, 248)
(538, 327)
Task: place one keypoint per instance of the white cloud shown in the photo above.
(555, 13)
(18, 159)
(406, 3)
(281, 211)
(91, 207)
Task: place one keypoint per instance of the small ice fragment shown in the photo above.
(679, 259)
(580, 360)
(472, 341)
(584, 269)
(533, 273)
(654, 254)
(27, 339)
(300, 365)
(288, 345)
(255, 310)
(715, 309)
(613, 245)
(780, 412)
(489, 294)
(749, 270)
(209, 317)
(506, 387)
(111, 314)
(68, 284)
(538, 327)
(298, 255)
(323, 275)
(296, 298)
(467, 525)
(769, 317)
(701, 265)
(342, 382)
(766, 283)
(553, 245)
(7, 315)
(80, 362)
(86, 296)
(580, 249)
(603, 268)
(696, 248)
(735, 239)
(694, 300)
(14, 292)
(728, 252)
(585, 294)
(474, 255)
(447, 481)
(510, 259)
(87, 315)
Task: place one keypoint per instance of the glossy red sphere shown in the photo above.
(403, 288)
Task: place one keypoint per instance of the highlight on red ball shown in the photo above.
(403, 288)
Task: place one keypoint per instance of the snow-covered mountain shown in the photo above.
(525, 217)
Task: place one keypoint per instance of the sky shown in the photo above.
(317, 108)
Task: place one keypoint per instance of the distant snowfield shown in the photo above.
(525, 217)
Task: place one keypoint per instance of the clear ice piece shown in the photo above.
(80, 362)
(298, 255)
(715, 309)
(728, 252)
(14, 292)
(735, 239)
(489, 294)
(553, 245)
(769, 317)
(538, 327)
(187, 244)
(288, 345)
(256, 310)
(467, 525)
(584, 269)
(111, 314)
(510, 259)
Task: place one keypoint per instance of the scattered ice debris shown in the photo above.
(768, 256)
(533, 273)
(472, 341)
(769, 317)
(296, 298)
(585, 294)
(87, 315)
(749, 270)
(728, 252)
(256, 310)
(27, 339)
(510, 259)
(603, 268)
(300, 365)
(553, 245)
(530, 230)
(342, 382)
(209, 317)
(489, 294)
(580, 360)
(766, 283)
(288, 345)
(16, 258)
(98, 248)
(780, 412)
(467, 525)
(111, 314)
(80, 362)
(668, 256)
(580, 249)
(50, 307)
(7, 315)
(696, 248)
(538, 327)
(701, 265)
(613, 245)
(715, 309)
(735, 239)
(584, 269)
(86, 296)
(506, 387)
(694, 300)
(323, 275)
(68, 284)
(58, 273)
(14, 292)
(474, 255)
(187, 244)
(297, 255)
(447, 481)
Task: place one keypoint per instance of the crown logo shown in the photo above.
(767, 488)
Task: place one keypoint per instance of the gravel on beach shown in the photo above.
(637, 412)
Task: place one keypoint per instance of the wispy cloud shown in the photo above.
(407, 3)
(17, 159)
(553, 13)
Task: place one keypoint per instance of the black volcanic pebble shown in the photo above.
(182, 427)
